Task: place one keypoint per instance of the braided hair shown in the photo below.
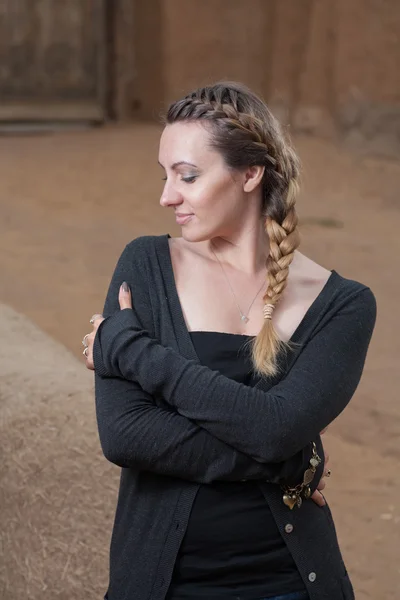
(246, 133)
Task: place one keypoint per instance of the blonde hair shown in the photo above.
(246, 133)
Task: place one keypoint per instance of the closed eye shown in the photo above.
(190, 179)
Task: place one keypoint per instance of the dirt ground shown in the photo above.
(70, 201)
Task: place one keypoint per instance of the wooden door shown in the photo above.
(52, 60)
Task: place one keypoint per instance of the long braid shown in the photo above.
(247, 134)
(284, 238)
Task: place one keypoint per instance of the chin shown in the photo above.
(195, 234)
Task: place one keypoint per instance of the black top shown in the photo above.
(232, 546)
(169, 437)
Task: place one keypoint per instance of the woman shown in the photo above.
(222, 356)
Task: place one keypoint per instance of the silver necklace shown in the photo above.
(244, 316)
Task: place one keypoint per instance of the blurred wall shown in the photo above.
(52, 61)
(323, 65)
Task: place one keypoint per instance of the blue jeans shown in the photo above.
(291, 596)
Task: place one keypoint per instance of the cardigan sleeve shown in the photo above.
(136, 433)
(270, 426)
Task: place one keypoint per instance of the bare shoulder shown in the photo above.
(306, 270)
(306, 280)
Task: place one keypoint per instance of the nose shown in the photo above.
(170, 196)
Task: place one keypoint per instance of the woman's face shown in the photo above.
(207, 197)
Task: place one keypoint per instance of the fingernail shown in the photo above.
(125, 287)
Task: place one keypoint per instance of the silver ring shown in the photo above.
(84, 341)
(92, 320)
(84, 352)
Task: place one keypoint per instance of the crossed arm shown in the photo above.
(268, 426)
(137, 433)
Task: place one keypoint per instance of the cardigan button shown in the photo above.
(289, 528)
(312, 577)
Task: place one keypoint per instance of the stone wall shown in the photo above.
(324, 66)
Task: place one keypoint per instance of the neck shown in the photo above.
(246, 250)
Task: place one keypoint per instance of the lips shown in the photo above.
(182, 218)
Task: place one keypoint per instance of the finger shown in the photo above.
(89, 363)
(321, 485)
(318, 498)
(125, 296)
(87, 342)
(96, 323)
(94, 317)
(88, 357)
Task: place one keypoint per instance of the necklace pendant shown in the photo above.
(244, 319)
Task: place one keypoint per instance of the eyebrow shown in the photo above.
(178, 164)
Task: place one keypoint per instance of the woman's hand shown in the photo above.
(125, 301)
(89, 339)
(318, 496)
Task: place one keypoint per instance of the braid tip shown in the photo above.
(268, 310)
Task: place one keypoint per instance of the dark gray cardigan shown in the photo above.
(172, 424)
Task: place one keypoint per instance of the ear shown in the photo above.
(252, 177)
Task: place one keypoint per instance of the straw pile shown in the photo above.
(57, 491)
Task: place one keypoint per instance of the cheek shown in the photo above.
(219, 195)
(202, 196)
